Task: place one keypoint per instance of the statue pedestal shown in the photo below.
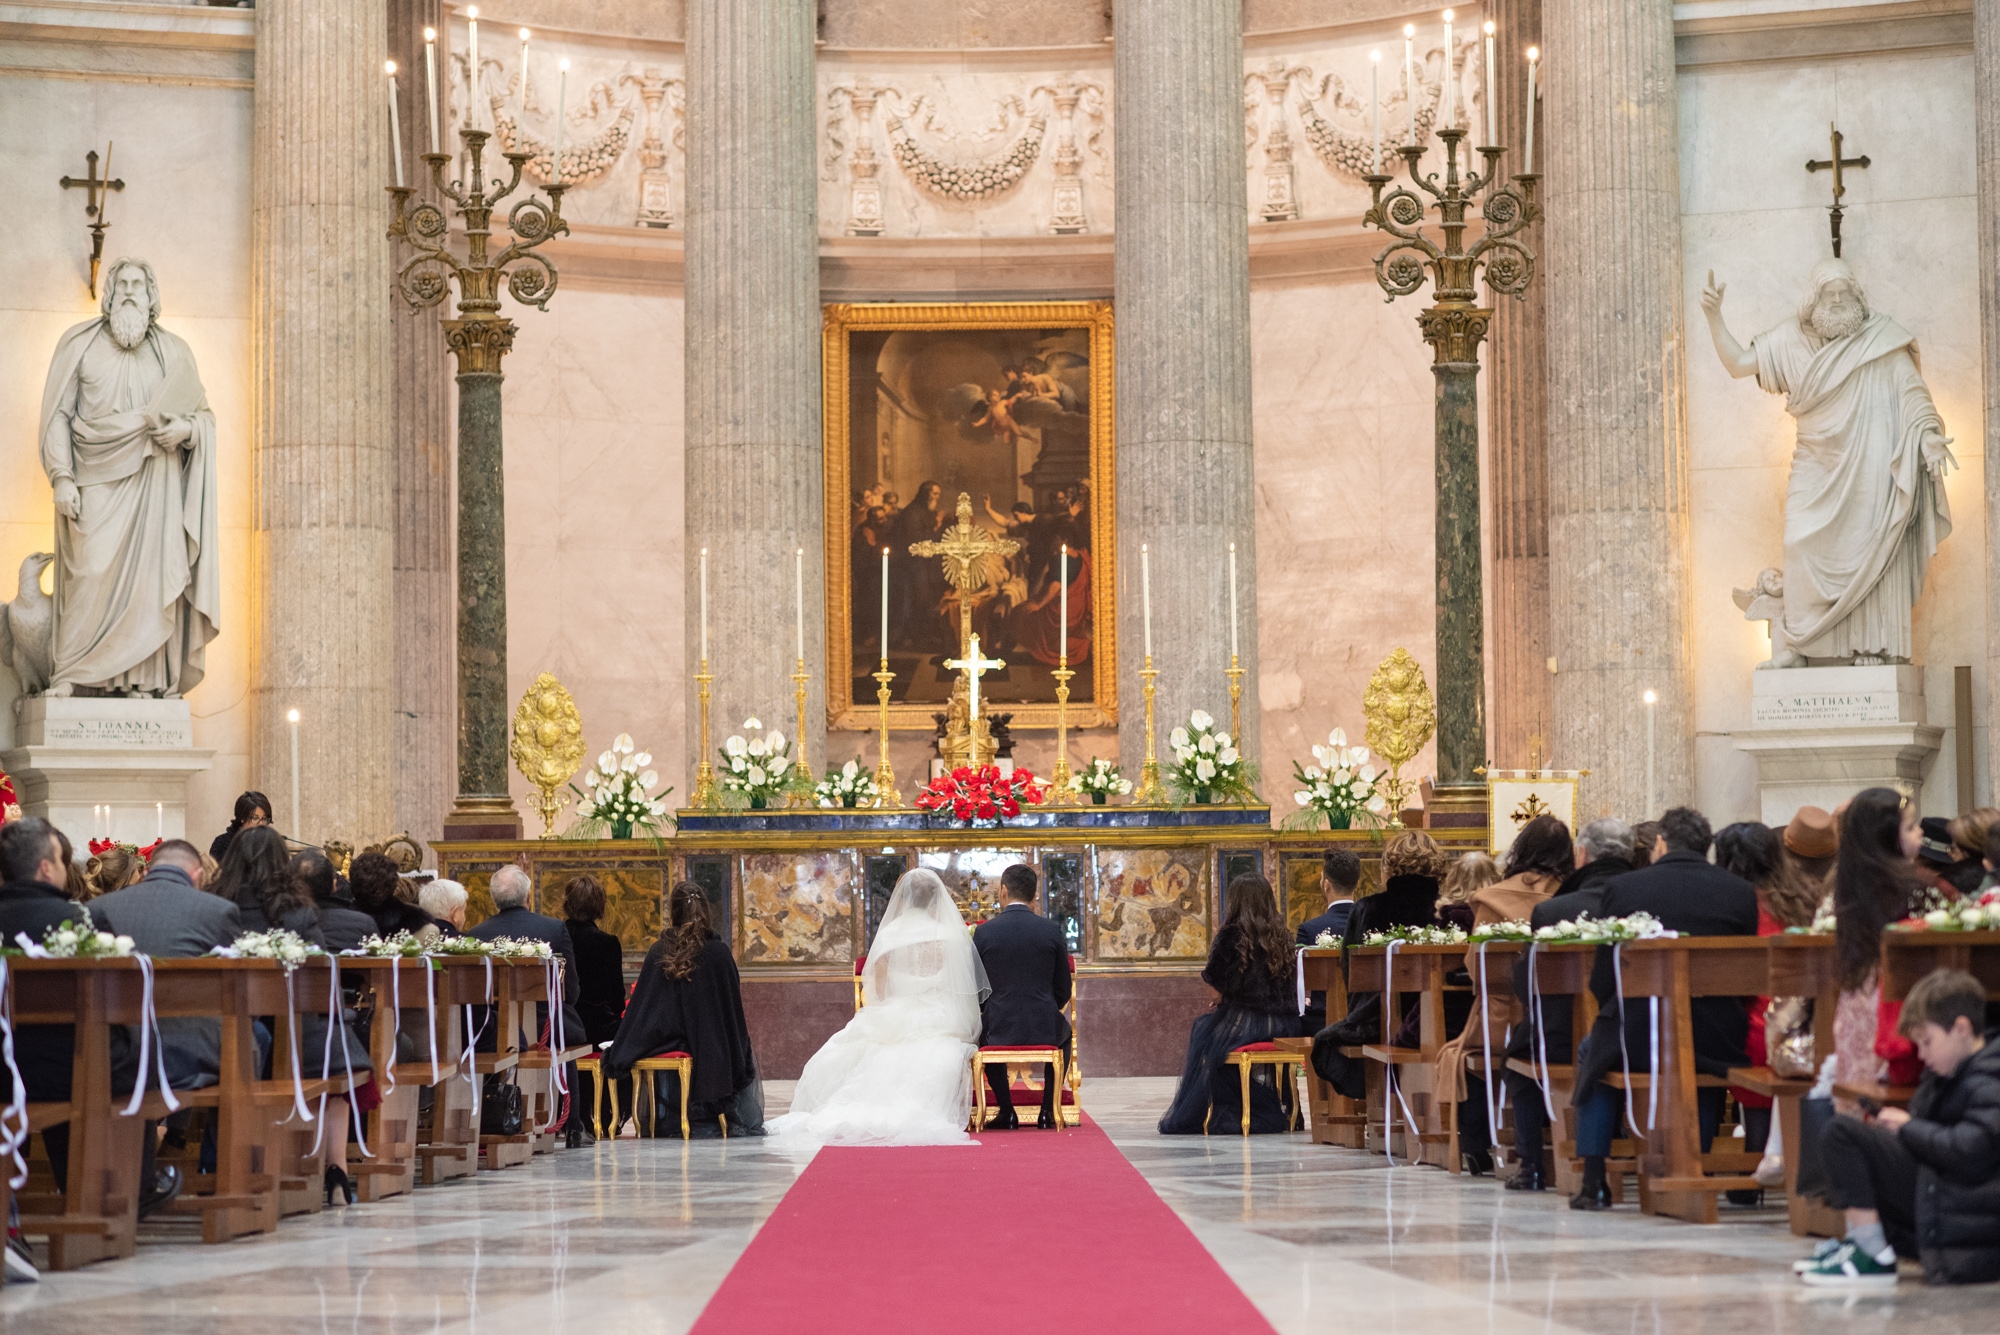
(1822, 734)
(75, 755)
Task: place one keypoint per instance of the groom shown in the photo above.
(1027, 964)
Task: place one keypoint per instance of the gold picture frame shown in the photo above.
(844, 319)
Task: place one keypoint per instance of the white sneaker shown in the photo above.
(1822, 1249)
(20, 1263)
(1848, 1267)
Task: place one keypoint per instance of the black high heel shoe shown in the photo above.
(337, 1179)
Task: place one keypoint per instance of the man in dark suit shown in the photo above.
(1339, 875)
(512, 893)
(1027, 964)
(1687, 893)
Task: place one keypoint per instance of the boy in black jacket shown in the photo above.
(1923, 1183)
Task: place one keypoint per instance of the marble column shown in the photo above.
(322, 523)
(753, 384)
(1182, 299)
(1517, 442)
(1986, 150)
(420, 380)
(1618, 514)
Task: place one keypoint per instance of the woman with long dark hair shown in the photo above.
(689, 998)
(1756, 852)
(1874, 881)
(257, 876)
(253, 809)
(1250, 966)
(341, 925)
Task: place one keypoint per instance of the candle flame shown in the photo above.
(1490, 29)
(563, 64)
(1375, 56)
(472, 12)
(1650, 698)
(430, 34)
(524, 34)
(291, 716)
(1534, 54)
(1448, 16)
(1409, 30)
(885, 551)
(389, 66)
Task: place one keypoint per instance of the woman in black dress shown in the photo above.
(689, 999)
(257, 877)
(1250, 965)
(253, 810)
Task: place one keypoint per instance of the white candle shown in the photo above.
(1486, 83)
(885, 604)
(1447, 104)
(1232, 603)
(395, 125)
(1651, 699)
(472, 67)
(524, 69)
(1375, 97)
(973, 676)
(704, 608)
(1528, 119)
(799, 603)
(1062, 578)
(159, 820)
(1146, 593)
(430, 84)
(1410, 74)
(562, 99)
(292, 717)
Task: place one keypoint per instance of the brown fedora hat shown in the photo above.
(1811, 834)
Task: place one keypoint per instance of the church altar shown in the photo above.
(1138, 890)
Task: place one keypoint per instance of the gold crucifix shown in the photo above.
(963, 546)
(1835, 164)
(95, 188)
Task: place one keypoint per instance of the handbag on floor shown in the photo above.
(500, 1108)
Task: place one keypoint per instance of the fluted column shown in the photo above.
(420, 387)
(1182, 285)
(753, 385)
(1986, 149)
(1618, 521)
(1517, 458)
(322, 528)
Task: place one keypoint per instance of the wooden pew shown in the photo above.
(449, 1141)
(1563, 972)
(395, 987)
(302, 1147)
(1419, 969)
(1800, 966)
(514, 990)
(542, 1100)
(1332, 1118)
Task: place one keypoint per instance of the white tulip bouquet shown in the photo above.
(848, 786)
(1207, 766)
(755, 767)
(1339, 790)
(619, 791)
(1099, 780)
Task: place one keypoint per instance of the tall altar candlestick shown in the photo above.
(1528, 129)
(1409, 75)
(704, 604)
(885, 604)
(1146, 593)
(292, 717)
(472, 67)
(395, 125)
(524, 69)
(1375, 100)
(1062, 578)
(1447, 105)
(1232, 599)
(1486, 83)
(799, 597)
(562, 100)
(430, 84)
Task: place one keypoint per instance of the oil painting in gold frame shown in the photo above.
(1010, 404)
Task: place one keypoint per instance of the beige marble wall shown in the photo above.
(1753, 215)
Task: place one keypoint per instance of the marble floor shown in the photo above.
(636, 1236)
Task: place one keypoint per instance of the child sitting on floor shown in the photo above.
(1923, 1183)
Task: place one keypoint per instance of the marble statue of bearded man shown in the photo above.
(1865, 506)
(128, 443)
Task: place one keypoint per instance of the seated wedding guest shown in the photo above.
(1811, 840)
(113, 869)
(1408, 898)
(75, 886)
(340, 926)
(253, 810)
(1026, 959)
(1467, 875)
(1339, 874)
(1968, 844)
(1603, 851)
(211, 873)
(512, 893)
(1645, 839)
(1923, 1183)
(1537, 861)
(373, 880)
(688, 998)
(600, 968)
(445, 902)
(1938, 862)
(257, 877)
(1250, 967)
(1694, 898)
(1874, 884)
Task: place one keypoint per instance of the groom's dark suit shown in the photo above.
(1027, 964)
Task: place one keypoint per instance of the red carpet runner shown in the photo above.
(1042, 1231)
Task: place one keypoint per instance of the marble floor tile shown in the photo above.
(635, 1237)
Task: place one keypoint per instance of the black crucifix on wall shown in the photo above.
(1835, 164)
(95, 189)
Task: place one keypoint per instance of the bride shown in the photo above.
(900, 1072)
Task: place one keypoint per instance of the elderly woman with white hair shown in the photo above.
(445, 902)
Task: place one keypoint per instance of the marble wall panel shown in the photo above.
(798, 908)
(1151, 904)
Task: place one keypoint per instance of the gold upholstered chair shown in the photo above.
(1068, 1071)
(1286, 1061)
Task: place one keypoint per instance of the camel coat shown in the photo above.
(1511, 899)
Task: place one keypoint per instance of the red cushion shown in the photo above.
(680, 1056)
(1018, 1047)
(1259, 1047)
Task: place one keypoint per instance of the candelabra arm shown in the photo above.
(1150, 793)
(706, 796)
(516, 161)
(800, 789)
(448, 189)
(886, 795)
(1059, 774)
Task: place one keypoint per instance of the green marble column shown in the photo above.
(1461, 622)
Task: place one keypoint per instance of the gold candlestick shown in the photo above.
(706, 797)
(1150, 793)
(1235, 674)
(799, 792)
(1059, 777)
(886, 795)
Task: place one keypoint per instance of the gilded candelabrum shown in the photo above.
(1454, 324)
(1059, 776)
(1151, 793)
(707, 797)
(799, 792)
(479, 338)
(886, 795)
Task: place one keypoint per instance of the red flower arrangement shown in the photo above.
(981, 796)
(10, 805)
(101, 846)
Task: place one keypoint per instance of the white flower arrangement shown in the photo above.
(1207, 764)
(287, 948)
(460, 945)
(1417, 936)
(1342, 788)
(620, 791)
(68, 941)
(755, 767)
(400, 945)
(1100, 779)
(1586, 930)
(518, 948)
(848, 786)
(1960, 917)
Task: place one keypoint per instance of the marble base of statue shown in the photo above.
(1821, 734)
(74, 756)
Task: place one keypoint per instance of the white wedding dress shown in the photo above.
(900, 1072)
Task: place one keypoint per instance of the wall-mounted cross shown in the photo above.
(95, 188)
(1835, 164)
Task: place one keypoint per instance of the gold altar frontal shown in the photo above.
(1138, 903)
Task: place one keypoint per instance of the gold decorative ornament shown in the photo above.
(547, 746)
(1401, 717)
(340, 853)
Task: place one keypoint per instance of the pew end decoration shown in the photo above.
(1338, 791)
(1207, 766)
(979, 798)
(68, 941)
(287, 948)
(754, 767)
(618, 796)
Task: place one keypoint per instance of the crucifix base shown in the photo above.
(967, 744)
